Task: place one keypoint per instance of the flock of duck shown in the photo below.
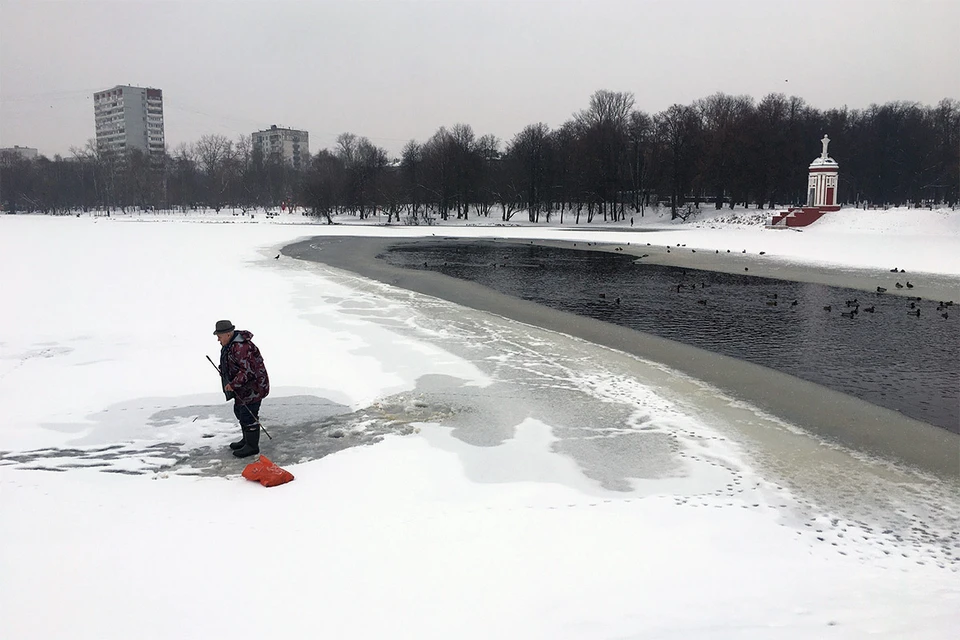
(852, 306)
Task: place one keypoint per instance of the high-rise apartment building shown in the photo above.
(287, 145)
(129, 118)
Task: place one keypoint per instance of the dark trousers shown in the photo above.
(248, 414)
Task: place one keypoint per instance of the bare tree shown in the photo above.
(604, 131)
(640, 132)
(466, 167)
(438, 165)
(678, 131)
(324, 184)
(364, 162)
(213, 153)
(723, 119)
(487, 151)
(528, 156)
(411, 173)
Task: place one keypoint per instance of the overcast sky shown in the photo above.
(394, 70)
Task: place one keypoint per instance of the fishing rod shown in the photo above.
(240, 403)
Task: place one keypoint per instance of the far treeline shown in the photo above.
(609, 160)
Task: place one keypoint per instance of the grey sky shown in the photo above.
(393, 70)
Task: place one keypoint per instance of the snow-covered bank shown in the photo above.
(916, 240)
(559, 490)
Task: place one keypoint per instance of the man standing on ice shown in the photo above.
(244, 378)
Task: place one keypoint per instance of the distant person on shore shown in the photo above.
(244, 378)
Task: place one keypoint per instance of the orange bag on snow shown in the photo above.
(266, 473)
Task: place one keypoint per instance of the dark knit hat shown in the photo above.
(223, 326)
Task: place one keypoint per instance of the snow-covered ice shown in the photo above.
(458, 475)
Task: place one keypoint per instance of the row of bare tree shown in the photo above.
(609, 160)
(213, 172)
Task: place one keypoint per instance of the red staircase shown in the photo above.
(796, 217)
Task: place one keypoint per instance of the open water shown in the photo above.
(881, 351)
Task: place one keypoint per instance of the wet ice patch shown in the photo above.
(193, 439)
(527, 456)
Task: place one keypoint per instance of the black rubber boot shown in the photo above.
(251, 444)
(239, 443)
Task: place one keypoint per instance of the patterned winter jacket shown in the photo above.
(241, 366)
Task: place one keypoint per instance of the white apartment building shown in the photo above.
(129, 118)
(27, 153)
(288, 145)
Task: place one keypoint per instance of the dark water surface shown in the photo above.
(890, 357)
